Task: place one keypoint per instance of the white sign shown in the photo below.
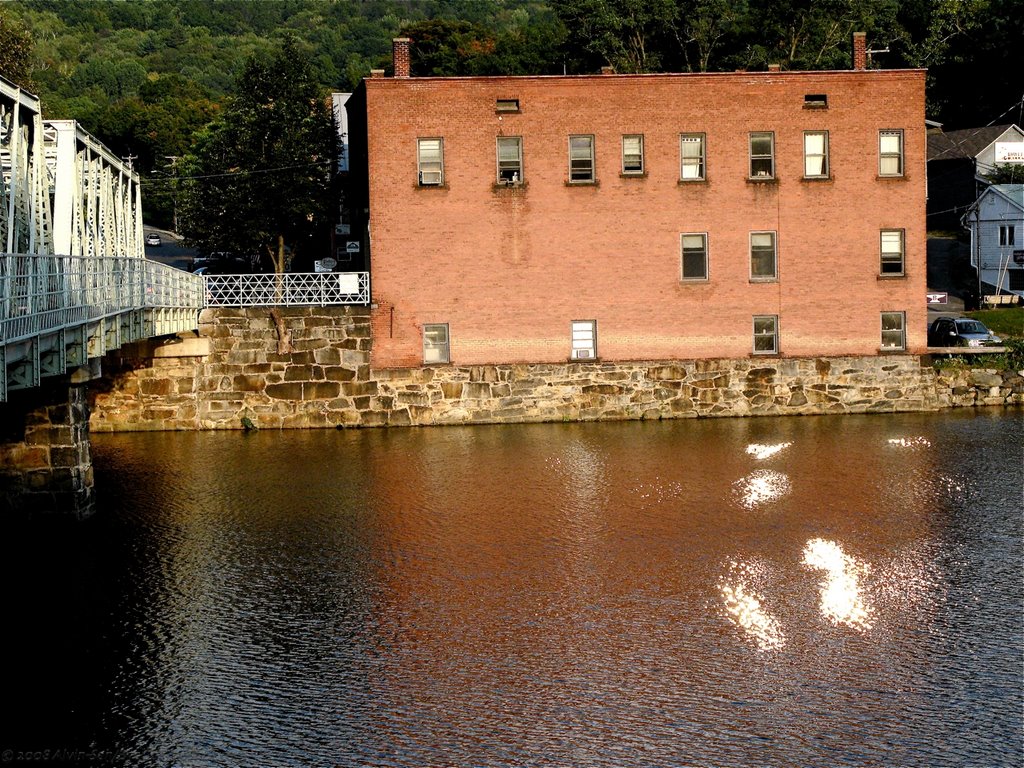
(1010, 151)
(325, 265)
(938, 298)
(353, 246)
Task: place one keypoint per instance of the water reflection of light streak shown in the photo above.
(910, 442)
(841, 600)
(762, 452)
(744, 607)
(761, 486)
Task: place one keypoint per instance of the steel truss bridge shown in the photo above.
(74, 280)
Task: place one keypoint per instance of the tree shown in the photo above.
(261, 180)
(1006, 173)
(15, 50)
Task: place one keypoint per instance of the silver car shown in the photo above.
(961, 332)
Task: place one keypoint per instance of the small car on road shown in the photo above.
(153, 239)
(961, 332)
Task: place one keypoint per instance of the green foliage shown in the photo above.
(1006, 173)
(1005, 322)
(261, 181)
(15, 50)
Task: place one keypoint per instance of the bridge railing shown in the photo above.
(290, 289)
(42, 293)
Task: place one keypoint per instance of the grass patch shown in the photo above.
(1007, 322)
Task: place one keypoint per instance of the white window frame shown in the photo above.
(892, 251)
(683, 248)
(760, 335)
(576, 157)
(896, 335)
(430, 171)
(816, 165)
(583, 340)
(436, 344)
(634, 155)
(509, 171)
(692, 167)
(775, 255)
(760, 157)
(887, 154)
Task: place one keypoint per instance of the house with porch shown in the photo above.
(996, 222)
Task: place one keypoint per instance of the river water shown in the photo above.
(801, 591)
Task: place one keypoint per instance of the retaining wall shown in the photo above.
(309, 367)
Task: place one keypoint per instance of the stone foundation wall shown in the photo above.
(309, 367)
(45, 462)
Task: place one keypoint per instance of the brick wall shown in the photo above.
(509, 268)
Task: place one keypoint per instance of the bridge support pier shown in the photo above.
(45, 460)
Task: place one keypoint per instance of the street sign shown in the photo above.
(938, 298)
(352, 246)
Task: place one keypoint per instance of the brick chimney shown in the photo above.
(860, 50)
(400, 52)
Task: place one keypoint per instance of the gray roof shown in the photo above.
(968, 142)
(1012, 192)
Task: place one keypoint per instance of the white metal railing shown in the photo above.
(39, 294)
(294, 288)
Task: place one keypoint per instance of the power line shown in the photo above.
(152, 181)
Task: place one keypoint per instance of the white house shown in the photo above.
(996, 221)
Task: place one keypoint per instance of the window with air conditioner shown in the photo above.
(584, 340)
(430, 158)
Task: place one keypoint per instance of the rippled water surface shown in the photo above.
(802, 591)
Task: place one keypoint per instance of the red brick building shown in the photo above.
(633, 217)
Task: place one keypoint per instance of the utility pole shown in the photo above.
(174, 188)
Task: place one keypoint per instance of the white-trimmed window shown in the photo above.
(584, 340)
(435, 343)
(890, 153)
(510, 159)
(763, 256)
(694, 258)
(766, 334)
(581, 158)
(892, 252)
(691, 156)
(1007, 234)
(762, 155)
(894, 335)
(633, 154)
(815, 154)
(430, 159)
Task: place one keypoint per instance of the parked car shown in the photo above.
(153, 239)
(961, 332)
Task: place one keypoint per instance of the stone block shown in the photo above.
(321, 390)
(338, 373)
(298, 373)
(286, 391)
(327, 355)
(476, 390)
(452, 390)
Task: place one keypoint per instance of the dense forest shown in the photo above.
(145, 76)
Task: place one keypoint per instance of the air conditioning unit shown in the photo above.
(582, 354)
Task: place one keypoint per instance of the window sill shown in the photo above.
(816, 179)
(685, 182)
(756, 280)
(625, 175)
(892, 350)
(506, 187)
(591, 183)
(430, 186)
(762, 355)
(762, 180)
(893, 276)
(815, 106)
(880, 177)
(694, 281)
